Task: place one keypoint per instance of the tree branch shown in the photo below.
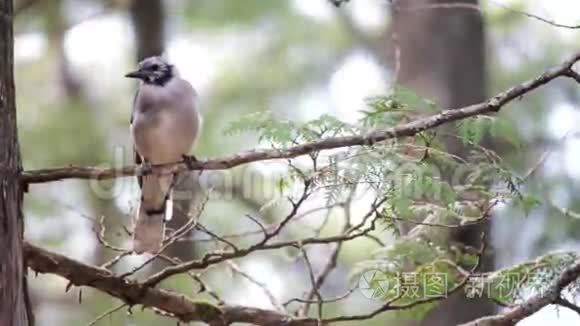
(570, 305)
(134, 293)
(534, 304)
(174, 304)
(218, 257)
(179, 306)
(412, 128)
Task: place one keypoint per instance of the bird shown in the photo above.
(165, 124)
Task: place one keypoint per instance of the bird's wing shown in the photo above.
(138, 161)
(149, 226)
(133, 106)
(136, 155)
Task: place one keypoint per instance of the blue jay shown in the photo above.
(165, 123)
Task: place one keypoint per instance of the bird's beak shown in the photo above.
(136, 74)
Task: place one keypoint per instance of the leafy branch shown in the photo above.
(403, 130)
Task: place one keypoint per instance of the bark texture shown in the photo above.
(13, 293)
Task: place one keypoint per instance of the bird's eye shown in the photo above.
(154, 67)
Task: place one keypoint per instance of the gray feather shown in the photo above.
(165, 124)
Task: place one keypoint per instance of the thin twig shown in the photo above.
(477, 8)
(533, 16)
(566, 303)
(203, 286)
(336, 299)
(315, 287)
(216, 237)
(332, 260)
(213, 258)
(101, 236)
(262, 286)
(390, 305)
(107, 313)
(174, 237)
(115, 260)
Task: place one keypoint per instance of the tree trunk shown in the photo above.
(148, 19)
(442, 57)
(14, 303)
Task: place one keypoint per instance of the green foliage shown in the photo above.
(388, 110)
(420, 182)
(285, 132)
(527, 202)
(507, 131)
(411, 174)
(268, 128)
(473, 130)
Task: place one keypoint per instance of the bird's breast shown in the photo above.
(166, 134)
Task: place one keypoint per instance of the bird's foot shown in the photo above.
(146, 167)
(190, 161)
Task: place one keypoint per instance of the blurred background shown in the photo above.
(298, 59)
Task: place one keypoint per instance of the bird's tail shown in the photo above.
(150, 223)
(148, 233)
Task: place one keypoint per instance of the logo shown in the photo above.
(373, 284)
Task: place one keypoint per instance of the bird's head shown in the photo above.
(153, 70)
